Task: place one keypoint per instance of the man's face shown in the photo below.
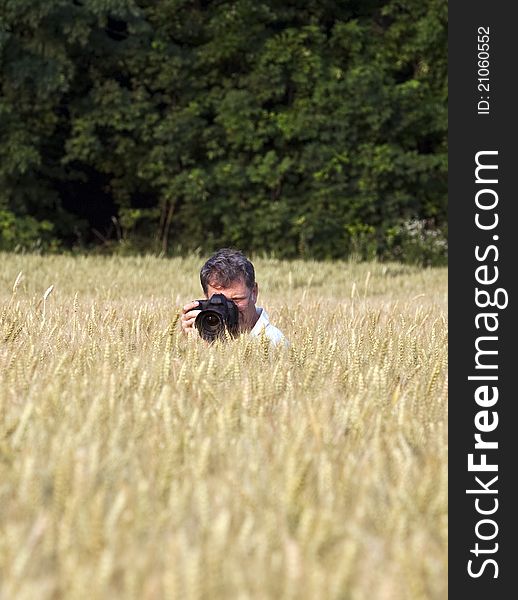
(244, 298)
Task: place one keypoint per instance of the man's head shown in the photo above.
(229, 272)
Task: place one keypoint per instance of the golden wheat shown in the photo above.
(138, 463)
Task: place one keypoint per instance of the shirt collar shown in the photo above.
(262, 321)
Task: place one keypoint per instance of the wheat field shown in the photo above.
(137, 463)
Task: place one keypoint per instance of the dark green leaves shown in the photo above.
(303, 128)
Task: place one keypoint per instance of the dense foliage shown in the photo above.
(301, 128)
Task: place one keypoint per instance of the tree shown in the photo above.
(301, 128)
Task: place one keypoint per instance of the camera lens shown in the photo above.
(211, 321)
(210, 324)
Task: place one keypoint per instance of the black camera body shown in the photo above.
(218, 314)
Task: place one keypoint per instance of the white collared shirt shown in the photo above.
(272, 333)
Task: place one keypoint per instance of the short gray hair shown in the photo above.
(225, 267)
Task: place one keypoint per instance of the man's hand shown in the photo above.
(189, 316)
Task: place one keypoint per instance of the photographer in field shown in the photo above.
(228, 281)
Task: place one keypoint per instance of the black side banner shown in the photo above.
(483, 267)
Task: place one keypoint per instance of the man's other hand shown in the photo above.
(189, 316)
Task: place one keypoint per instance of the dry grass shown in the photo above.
(135, 463)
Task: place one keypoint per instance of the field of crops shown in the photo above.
(138, 463)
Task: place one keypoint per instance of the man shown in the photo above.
(229, 272)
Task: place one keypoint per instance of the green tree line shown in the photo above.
(302, 128)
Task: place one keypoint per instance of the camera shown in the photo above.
(218, 314)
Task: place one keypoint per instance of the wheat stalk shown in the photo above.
(149, 465)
